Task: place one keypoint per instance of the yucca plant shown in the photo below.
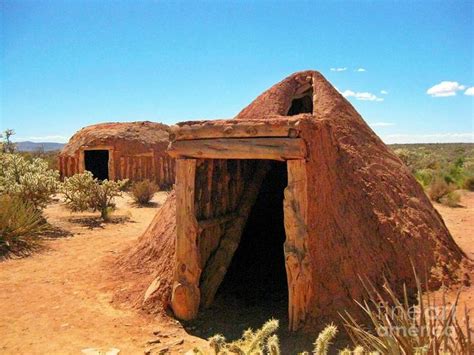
(401, 328)
(20, 223)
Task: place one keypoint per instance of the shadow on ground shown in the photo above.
(97, 222)
(54, 232)
(230, 317)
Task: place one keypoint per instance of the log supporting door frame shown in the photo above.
(185, 298)
(297, 261)
(186, 294)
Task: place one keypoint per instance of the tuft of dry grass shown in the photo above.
(143, 191)
(399, 327)
(451, 199)
(469, 183)
(438, 189)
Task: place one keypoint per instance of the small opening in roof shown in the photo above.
(302, 104)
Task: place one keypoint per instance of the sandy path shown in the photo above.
(55, 302)
(460, 222)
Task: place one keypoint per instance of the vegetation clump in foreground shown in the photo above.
(84, 192)
(26, 187)
(143, 191)
(20, 223)
(31, 181)
(396, 327)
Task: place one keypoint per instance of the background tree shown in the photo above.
(7, 145)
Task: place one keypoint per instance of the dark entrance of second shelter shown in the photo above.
(97, 162)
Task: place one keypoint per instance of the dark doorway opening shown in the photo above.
(257, 274)
(255, 287)
(302, 105)
(97, 162)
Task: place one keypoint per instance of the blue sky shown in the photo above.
(406, 66)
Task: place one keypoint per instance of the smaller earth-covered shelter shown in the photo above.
(131, 150)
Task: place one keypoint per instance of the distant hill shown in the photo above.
(28, 146)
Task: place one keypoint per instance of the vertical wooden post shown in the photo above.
(81, 164)
(111, 164)
(185, 297)
(297, 260)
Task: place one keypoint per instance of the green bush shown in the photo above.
(424, 177)
(143, 191)
(50, 157)
(83, 192)
(20, 223)
(32, 181)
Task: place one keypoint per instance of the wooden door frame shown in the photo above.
(110, 163)
(186, 293)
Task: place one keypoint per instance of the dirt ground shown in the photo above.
(57, 300)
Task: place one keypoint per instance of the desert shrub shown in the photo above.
(83, 192)
(50, 157)
(456, 172)
(469, 183)
(20, 223)
(451, 199)
(143, 191)
(439, 188)
(30, 180)
(424, 177)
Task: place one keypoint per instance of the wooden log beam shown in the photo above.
(235, 129)
(211, 222)
(219, 262)
(240, 148)
(185, 296)
(297, 261)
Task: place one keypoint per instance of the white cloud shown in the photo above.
(446, 137)
(55, 139)
(469, 91)
(384, 92)
(382, 124)
(445, 88)
(360, 70)
(338, 69)
(362, 96)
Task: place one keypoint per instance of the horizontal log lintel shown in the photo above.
(236, 129)
(240, 148)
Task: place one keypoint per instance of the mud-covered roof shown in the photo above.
(283, 98)
(144, 132)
